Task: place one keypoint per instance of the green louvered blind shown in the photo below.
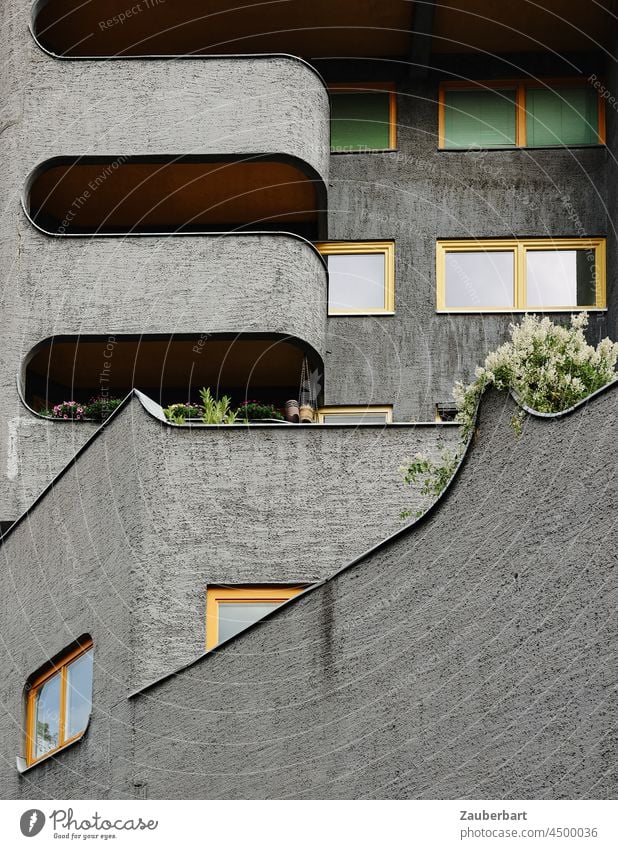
(359, 120)
(565, 116)
(479, 118)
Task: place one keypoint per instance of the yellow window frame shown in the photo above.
(520, 85)
(215, 596)
(356, 409)
(351, 248)
(369, 88)
(58, 668)
(519, 248)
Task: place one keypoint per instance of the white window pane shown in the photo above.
(480, 279)
(47, 717)
(355, 418)
(560, 278)
(356, 281)
(233, 617)
(79, 695)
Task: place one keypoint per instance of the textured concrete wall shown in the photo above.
(418, 195)
(175, 106)
(126, 542)
(197, 285)
(51, 107)
(611, 89)
(259, 505)
(59, 580)
(470, 657)
(274, 283)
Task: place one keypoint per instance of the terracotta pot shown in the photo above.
(307, 413)
(291, 412)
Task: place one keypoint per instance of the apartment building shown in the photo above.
(344, 205)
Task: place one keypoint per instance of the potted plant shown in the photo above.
(179, 413)
(101, 408)
(292, 411)
(68, 410)
(307, 413)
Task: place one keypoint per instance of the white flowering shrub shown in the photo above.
(548, 367)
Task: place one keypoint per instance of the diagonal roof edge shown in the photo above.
(379, 546)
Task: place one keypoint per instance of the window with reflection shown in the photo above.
(361, 277)
(363, 119)
(59, 703)
(229, 610)
(501, 275)
(520, 113)
(355, 415)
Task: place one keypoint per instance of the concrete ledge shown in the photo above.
(270, 283)
(181, 106)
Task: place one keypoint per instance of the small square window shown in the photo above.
(479, 118)
(229, 610)
(361, 277)
(363, 118)
(59, 703)
(480, 278)
(562, 116)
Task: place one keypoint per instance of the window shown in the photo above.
(229, 610)
(446, 411)
(361, 277)
(363, 117)
(520, 113)
(355, 415)
(59, 704)
(504, 275)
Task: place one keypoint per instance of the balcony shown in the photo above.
(255, 124)
(136, 195)
(323, 29)
(97, 371)
(348, 28)
(235, 312)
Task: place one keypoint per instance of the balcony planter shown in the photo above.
(292, 412)
(307, 414)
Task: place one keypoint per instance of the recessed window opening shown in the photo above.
(361, 277)
(59, 702)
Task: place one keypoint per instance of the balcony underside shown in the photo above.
(169, 369)
(322, 29)
(69, 196)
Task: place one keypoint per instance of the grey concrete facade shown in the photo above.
(469, 655)
(419, 194)
(159, 512)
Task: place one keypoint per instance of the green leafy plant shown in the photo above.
(101, 408)
(179, 413)
(216, 411)
(549, 367)
(255, 410)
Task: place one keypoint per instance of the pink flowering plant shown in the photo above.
(68, 410)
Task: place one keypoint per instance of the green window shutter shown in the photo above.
(479, 118)
(359, 120)
(565, 116)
